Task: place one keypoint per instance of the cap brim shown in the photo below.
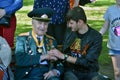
(42, 19)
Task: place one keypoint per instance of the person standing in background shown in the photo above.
(57, 26)
(74, 3)
(9, 7)
(112, 24)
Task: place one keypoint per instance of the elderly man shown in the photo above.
(32, 60)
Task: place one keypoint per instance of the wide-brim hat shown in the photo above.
(41, 14)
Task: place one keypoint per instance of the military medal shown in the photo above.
(39, 50)
(39, 45)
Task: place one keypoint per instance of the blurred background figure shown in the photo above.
(112, 24)
(5, 59)
(9, 7)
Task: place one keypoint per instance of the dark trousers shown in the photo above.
(37, 74)
(75, 75)
(8, 32)
(57, 31)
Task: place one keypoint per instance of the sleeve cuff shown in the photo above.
(58, 72)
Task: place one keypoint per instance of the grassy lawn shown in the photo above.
(94, 13)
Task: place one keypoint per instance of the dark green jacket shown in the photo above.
(27, 57)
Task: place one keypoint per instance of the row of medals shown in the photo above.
(40, 49)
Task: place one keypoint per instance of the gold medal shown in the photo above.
(39, 50)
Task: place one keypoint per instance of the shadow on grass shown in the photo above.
(96, 24)
(28, 2)
(101, 3)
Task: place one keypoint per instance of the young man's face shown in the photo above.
(39, 27)
(73, 25)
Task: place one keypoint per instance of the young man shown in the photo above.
(81, 49)
(32, 60)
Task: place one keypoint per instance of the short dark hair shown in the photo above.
(76, 14)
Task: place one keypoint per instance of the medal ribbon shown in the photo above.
(36, 40)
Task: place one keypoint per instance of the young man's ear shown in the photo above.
(80, 21)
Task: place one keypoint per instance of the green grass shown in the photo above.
(94, 12)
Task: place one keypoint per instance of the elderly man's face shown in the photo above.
(39, 27)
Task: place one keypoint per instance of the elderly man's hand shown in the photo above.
(49, 74)
(56, 53)
(48, 57)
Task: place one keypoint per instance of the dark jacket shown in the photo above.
(27, 57)
(91, 45)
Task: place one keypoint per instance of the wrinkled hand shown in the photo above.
(53, 58)
(50, 74)
(2, 13)
(48, 57)
(56, 53)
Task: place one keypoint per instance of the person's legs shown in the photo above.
(85, 75)
(51, 30)
(115, 55)
(4, 73)
(8, 32)
(37, 72)
(1, 30)
(116, 66)
(100, 77)
(54, 78)
(89, 76)
(60, 32)
(69, 75)
(57, 31)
